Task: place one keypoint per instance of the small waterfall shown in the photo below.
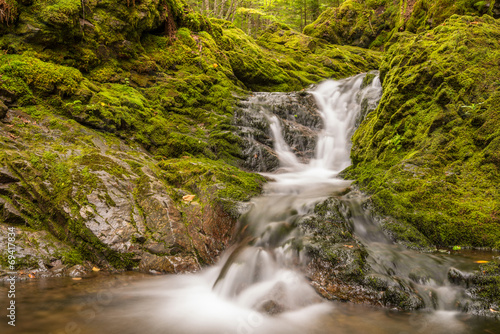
(257, 274)
(257, 286)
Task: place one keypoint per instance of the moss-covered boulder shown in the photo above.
(429, 152)
(372, 23)
(345, 267)
(76, 196)
(483, 289)
(356, 22)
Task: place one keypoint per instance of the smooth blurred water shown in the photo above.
(135, 303)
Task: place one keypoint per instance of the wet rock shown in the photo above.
(78, 271)
(59, 269)
(403, 298)
(419, 276)
(3, 109)
(299, 119)
(458, 277)
(168, 264)
(271, 307)
(379, 282)
(483, 289)
(6, 176)
(9, 213)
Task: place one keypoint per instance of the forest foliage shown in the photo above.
(252, 15)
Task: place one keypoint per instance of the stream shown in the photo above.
(256, 287)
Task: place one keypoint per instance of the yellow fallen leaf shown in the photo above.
(348, 246)
(481, 261)
(188, 198)
(215, 65)
(95, 269)
(31, 276)
(494, 311)
(103, 104)
(76, 278)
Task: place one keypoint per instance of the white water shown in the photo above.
(339, 104)
(254, 286)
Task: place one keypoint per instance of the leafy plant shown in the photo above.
(396, 142)
(474, 107)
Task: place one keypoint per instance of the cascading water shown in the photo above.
(257, 272)
(255, 281)
(255, 287)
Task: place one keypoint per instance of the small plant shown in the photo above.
(474, 107)
(396, 142)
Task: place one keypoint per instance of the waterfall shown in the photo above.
(257, 274)
(258, 285)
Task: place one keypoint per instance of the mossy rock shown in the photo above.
(373, 23)
(428, 152)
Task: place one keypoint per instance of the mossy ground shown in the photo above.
(429, 153)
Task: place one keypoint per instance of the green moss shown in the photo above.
(225, 184)
(427, 152)
(71, 258)
(61, 13)
(27, 75)
(357, 23)
(374, 23)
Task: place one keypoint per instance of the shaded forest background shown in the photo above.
(252, 15)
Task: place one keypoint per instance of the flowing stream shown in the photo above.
(254, 288)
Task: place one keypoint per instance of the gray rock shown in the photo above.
(78, 271)
(3, 109)
(6, 176)
(299, 119)
(9, 214)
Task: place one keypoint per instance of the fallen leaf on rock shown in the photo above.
(481, 261)
(348, 246)
(95, 269)
(76, 278)
(187, 198)
(31, 276)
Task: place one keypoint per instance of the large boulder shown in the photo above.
(429, 152)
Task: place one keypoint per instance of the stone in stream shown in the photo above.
(300, 120)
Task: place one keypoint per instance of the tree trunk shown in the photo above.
(220, 12)
(230, 9)
(205, 7)
(170, 26)
(214, 9)
(305, 12)
(233, 13)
